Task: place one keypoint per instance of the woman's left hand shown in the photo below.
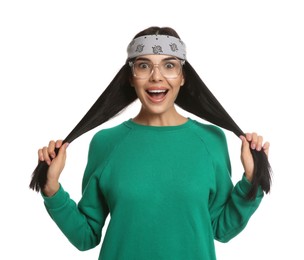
(255, 142)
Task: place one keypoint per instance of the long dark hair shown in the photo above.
(193, 97)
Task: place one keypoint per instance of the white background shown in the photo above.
(56, 57)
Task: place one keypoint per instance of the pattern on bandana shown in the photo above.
(140, 48)
(173, 47)
(157, 49)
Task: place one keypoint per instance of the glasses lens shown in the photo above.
(142, 69)
(168, 68)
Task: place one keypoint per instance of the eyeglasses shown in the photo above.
(169, 68)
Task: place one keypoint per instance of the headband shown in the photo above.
(157, 44)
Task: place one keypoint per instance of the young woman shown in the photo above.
(164, 178)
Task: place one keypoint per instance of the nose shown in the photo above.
(156, 74)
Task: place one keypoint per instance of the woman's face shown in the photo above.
(157, 80)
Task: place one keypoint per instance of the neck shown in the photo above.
(160, 119)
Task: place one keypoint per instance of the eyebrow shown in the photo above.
(146, 59)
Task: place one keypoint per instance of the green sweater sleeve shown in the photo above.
(230, 218)
(229, 209)
(81, 223)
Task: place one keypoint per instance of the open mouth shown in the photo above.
(157, 93)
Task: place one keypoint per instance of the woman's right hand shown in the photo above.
(56, 164)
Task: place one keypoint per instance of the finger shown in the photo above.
(254, 140)
(266, 147)
(58, 143)
(40, 155)
(46, 155)
(259, 143)
(249, 137)
(51, 149)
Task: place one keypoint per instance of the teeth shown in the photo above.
(155, 91)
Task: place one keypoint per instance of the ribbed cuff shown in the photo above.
(57, 200)
(245, 186)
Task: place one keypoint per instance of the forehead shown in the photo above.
(155, 57)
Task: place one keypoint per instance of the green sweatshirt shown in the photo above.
(167, 189)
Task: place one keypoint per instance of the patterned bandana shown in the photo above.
(157, 44)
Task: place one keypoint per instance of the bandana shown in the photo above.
(157, 44)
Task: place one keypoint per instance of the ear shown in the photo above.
(131, 82)
(183, 81)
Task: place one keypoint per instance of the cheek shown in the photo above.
(137, 84)
(177, 83)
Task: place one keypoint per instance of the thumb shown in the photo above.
(245, 143)
(61, 155)
(62, 149)
(245, 148)
(246, 158)
(58, 162)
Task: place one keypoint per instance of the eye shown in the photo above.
(142, 65)
(169, 65)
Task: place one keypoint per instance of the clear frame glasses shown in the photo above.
(169, 68)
